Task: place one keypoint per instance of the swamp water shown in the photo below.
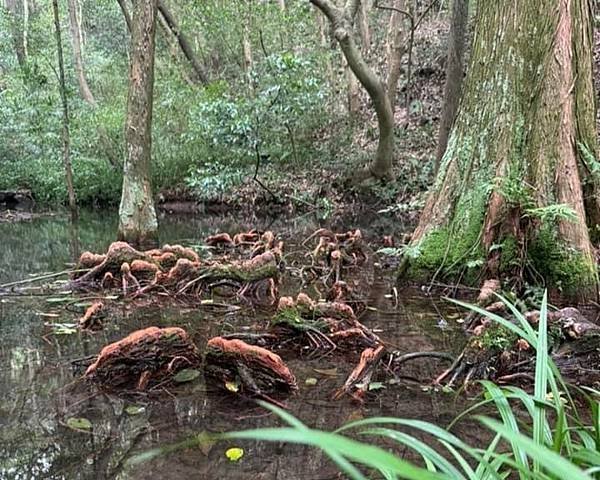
(40, 390)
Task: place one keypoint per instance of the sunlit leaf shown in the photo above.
(311, 381)
(232, 386)
(234, 454)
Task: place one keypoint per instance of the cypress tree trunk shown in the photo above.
(508, 200)
(137, 217)
(454, 73)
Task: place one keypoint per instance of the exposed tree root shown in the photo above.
(92, 316)
(357, 383)
(249, 369)
(178, 271)
(495, 353)
(324, 325)
(144, 358)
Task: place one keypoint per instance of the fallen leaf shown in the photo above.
(375, 386)
(232, 386)
(234, 454)
(135, 409)
(311, 381)
(186, 375)
(79, 423)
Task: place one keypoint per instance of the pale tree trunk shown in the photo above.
(84, 88)
(396, 48)
(281, 5)
(454, 73)
(248, 61)
(363, 26)
(353, 94)
(326, 44)
(25, 28)
(523, 142)
(341, 24)
(185, 45)
(65, 110)
(16, 24)
(137, 218)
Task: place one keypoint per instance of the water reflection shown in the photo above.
(39, 390)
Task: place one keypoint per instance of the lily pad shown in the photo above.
(79, 423)
(186, 375)
(234, 454)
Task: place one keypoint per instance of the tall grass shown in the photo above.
(550, 441)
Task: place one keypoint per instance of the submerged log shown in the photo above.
(249, 369)
(144, 358)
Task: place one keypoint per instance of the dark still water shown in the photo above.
(40, 390)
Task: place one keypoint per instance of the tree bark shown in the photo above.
(84, 88)
(454, 73)
(65, 110)
(363, 26)
(395, 51)
(137, 218)
(18, 38)
(184, 43)
(523, 143)
(341, 24)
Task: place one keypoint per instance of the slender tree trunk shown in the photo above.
(509, 195)
(363, 26)
(397, 39)
(454, 73)
(137, 218)
(353, 95)
(126, 14)
(341, 24)
(16, 21)
(184, 43)
(84, 89)
(246, 44)
(281, 5)
(25, 28)
(65, 109)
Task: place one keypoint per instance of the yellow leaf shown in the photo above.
(234, 454)
(232, 386)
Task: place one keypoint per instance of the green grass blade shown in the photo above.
(541, 380)
(551, 461)
(508, 417)
(368, 455)
(426, 452)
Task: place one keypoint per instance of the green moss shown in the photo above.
(455, 246)
(292, 318)
(562, 267)
(496, 337)
(509, 254)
